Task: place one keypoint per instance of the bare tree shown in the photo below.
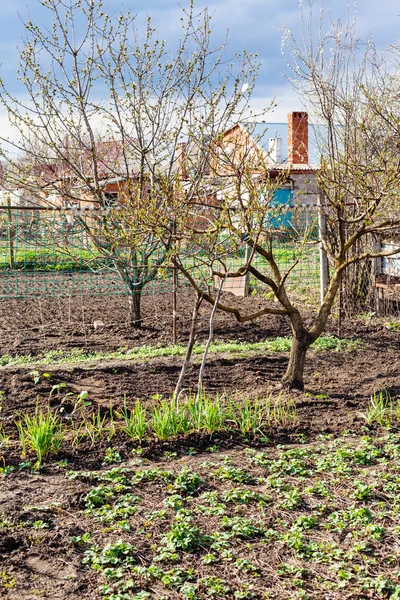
(358, 179)
(107, 108)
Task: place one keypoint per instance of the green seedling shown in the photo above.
(41, 433)
(4, 439)
(37, 376)
(135, 421)
(57, 387)
(247, 416)
(380, 410)
(112, 456)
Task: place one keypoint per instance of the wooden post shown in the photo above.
(10, 235)
(323, 257)
(376, 271)
(210, 338)
(339, 333)
(246, 287)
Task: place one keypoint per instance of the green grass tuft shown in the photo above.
(77, 355)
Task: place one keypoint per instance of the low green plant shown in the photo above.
(6, 580)
(37, 375)
(291, 499)
(40, 524)
(208, 414)
(279, 411)
(230, 473)
(56, 387)
(111, 456)
(244, 496)
(81, 540)
(280, 344)
(41, 433)
(380, 409)
(215, 586)
(111, 555)
(4, 439)
(247, 416)
(330, 342)
(93, 428)
(165, 420)
(393, 325)
(6, 470)
(135, 421)
(81, 401)
(241, 527)
(187, 481)
(183, 535)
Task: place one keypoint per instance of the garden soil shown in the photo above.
(43, 564)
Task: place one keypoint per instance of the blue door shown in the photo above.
(281, 215)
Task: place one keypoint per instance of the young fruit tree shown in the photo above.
(100, 120)
(358, 181)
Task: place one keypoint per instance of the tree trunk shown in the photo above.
(134, 308)
(294, 376)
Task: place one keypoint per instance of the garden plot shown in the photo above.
(303, 520)
(111, 491)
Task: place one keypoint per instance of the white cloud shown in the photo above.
(254, 24)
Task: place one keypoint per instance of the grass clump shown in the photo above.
(40, 433)
(382, 410)
(249, 416)
(135, 421)
(208, 414)
(169, 419)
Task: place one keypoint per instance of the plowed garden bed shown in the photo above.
(306, 506)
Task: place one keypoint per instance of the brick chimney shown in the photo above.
(298, 138)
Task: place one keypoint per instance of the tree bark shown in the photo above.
(134, 308)
(294, 375)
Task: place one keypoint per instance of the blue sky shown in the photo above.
(253, 24)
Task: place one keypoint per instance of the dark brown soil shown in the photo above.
(45, 563)
(338, 389)
(34, 325)
(338, 384)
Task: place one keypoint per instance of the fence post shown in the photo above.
(246, 287)
(323, 257)
(10, 236)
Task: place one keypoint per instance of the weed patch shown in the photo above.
(279, 344)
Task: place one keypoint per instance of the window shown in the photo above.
(111, 198)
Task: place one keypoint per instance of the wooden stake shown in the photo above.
(210, 339)
(323, 257)
(189, 348)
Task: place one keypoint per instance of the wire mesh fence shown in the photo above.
(50, 253)
(291, 235)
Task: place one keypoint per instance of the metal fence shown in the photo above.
(49, 253)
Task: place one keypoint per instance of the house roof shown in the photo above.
(262, 133)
